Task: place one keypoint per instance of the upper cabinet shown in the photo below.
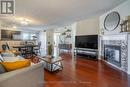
(10, 35)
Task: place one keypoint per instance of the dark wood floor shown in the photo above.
(86, 73)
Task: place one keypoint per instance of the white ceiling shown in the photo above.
(48, 13)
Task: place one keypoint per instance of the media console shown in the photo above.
(88, 53)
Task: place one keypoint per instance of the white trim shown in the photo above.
(114, 37)
(128, 55)
(113, 65)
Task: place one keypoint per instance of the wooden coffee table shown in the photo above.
(53, 64)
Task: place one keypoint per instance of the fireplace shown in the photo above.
(112, 54)
(115, 49)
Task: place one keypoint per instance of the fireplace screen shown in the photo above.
(112, 54)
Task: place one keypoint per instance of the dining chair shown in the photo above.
(30, 43)
(4, 47)
(30, 51)
(37, 49)
(7, 46)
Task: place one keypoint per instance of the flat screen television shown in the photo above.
(87, 41)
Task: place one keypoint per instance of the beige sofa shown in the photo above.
(27, 77)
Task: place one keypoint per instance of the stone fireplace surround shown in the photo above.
(119, 40)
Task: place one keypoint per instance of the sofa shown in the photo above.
(29, 76)
(26, 77)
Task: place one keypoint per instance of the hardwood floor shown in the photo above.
(86, 73)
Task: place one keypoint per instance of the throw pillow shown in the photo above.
(10, 66)
(20, 57)
(2, 69)
(1, 58)
(7, 54)
(10, 59)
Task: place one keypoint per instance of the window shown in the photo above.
(25, 36)
(28, 35)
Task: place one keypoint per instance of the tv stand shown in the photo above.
(88, 53)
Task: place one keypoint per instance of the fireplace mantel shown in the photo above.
(120, 36)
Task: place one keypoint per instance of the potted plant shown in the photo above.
(50, 51)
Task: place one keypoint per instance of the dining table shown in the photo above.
(19, 47)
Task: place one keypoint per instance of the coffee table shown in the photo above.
(52, 64)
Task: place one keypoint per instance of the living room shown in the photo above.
(47, 43)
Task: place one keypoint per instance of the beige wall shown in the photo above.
(11, 44)
(88, 27)
(123, 10)
(0, 34)
(49, 36)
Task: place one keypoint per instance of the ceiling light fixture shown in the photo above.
(14, 27)
(21, 19)
(24, 22)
